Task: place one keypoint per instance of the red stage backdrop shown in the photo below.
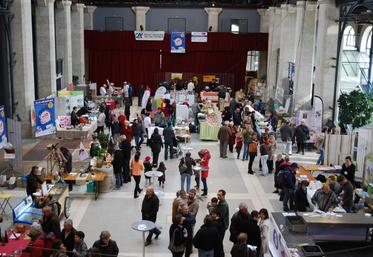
(117, 56)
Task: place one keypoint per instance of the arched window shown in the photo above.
(366, 40)
(349, 42)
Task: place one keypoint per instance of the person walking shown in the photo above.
(117, 163)
(156, 146)
(137, 168)
(149, 210)
(101, 120)
(138, 133)
(253, 151)
(271, 152)
(125, 146)
(286, 134)
(178, 236)
(239, 143)
(169, 137)
(247, 138)
(232, 137)
(264, 151)
(224, 134)
(206, 238)
(301, 135)
(186, 170)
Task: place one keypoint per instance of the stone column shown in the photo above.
(264, 28)
(140, 12)
(213, 18)
(63, 36)
(77, 30)
(305, 36)
(274, 33)
(23, 69)
(88, 17)
(326, 52)
(287, 45)
(46, 48)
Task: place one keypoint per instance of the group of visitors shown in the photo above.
(47, 239)
(245, 228)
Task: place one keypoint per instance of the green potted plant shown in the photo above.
(355, 109)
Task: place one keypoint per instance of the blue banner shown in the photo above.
(177, 42)
(3, 137)
(45, 117)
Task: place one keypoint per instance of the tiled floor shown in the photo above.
(115, 211)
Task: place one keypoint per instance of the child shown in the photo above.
(162, 179)
(239, 140)
(212, 205)
(148, 167)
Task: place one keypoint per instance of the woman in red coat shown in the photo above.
(205, 171)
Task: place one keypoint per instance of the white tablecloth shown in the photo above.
(74, 133)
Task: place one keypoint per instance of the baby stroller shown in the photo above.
(176, 149)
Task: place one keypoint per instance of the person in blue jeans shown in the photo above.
(186, 170)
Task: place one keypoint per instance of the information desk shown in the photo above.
(16, 247)
(76, 133)
(96, 177)
(325, 232)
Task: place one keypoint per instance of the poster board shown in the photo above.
(208, 78)
(178, 76)
(69, 99)
(184, 96)
(45, 117)
(3, 132)
(177, 42)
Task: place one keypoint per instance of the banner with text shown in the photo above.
(149, 35)
(199, 37)
(178, 42)
(3, 137)
(45, 117)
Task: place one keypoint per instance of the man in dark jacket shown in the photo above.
(237, 118)
(125, 146)
(105, 246)
(242, 222)
(223, 135)
(301, 136)
(223, 209)
(206, 238)
(288, 185)
(68, 236)
(219, 225)
(149, 209)
(188, 224)
(50, 223)
(33, 181)
(169, 137)
(348, 170)
(286, 137)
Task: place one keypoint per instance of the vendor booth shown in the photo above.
(314, 234)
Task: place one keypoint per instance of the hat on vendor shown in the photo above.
(147, 158)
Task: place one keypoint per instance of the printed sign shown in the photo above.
(178, 42)
(149, 35)
(161, 91)
(3, 137)
(199, 37)
(45, 117)
(71, 99)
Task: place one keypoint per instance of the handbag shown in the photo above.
(175, 248)
(183, 167)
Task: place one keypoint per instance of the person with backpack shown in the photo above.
(186, 170)
(287, 179)
(253, 150)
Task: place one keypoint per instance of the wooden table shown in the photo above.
(303, 172)
(98, 177)
(320, 168)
